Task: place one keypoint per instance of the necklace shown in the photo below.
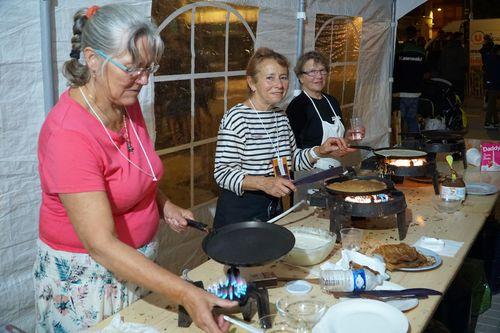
(126, 136)
(152, 174)
(276, 145)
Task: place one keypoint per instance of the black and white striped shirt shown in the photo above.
(244, 147)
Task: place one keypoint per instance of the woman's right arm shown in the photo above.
(90, 214)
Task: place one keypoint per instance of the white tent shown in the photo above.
(23, 95)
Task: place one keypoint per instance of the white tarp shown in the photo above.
(22, 110)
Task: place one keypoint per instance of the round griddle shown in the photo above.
(394, 153)
(248, 243)
(389, 185)
(399, 153)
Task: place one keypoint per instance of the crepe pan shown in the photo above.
(394, 153)
(389, 185)
(246, 243)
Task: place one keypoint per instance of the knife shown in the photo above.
(411, 292)
(332, 172)
(199, 225)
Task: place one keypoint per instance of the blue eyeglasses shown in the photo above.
(131, 71)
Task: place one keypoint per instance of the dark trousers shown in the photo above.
(491, 109)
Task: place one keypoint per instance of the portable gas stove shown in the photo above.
(343, 205)
(235, 288)
(243, 244)
(398, 168)
(434, 142)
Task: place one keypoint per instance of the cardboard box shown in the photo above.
(490, 159)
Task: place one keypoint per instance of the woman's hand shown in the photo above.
(176, 216)
(333, 147)
(199, 304)
(276, 186)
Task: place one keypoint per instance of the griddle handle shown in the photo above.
(361, 147)
(198, 225)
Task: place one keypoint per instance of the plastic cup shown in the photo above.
(351, 238)
(356, 128)
(473, 156)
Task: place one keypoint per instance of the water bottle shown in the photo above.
(350, 280)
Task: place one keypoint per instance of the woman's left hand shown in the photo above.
(335, 147)
(176, 216)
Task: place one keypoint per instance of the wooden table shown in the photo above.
(463, 226)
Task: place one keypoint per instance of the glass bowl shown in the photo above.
(301, 310)
(278, 324)
(312, 246)
(447, 206)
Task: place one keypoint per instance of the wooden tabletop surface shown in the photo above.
(424, 220)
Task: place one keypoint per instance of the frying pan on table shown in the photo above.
(393, 153)
(388, 183)
(246, 243)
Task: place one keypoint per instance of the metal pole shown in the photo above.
(46, 49)
(301, 17)
(394, 27)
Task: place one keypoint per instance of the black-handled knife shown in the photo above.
(410, 292)
(332, 172)
(198, 225)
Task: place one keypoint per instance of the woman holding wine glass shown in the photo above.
(315, 116)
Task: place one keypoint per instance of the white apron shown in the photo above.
(329, 130)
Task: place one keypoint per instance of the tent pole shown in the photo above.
(46, 49)
(392, 54)
(301, 17)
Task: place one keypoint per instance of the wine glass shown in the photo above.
(356, 130)
(301, 311)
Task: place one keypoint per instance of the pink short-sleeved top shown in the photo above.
(76, 155)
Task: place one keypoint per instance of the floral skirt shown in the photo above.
(74, 292)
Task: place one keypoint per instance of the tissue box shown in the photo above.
(490, 160)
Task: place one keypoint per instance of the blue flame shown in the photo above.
(233, 287)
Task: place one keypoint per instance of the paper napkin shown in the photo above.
(443, 247)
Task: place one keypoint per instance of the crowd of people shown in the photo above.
(417, 60)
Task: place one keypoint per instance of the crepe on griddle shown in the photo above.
(401, 256)
(358, 186)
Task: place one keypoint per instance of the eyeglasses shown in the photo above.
(316, 72)
(131, 71)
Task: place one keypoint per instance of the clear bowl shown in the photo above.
(447, 206)
(301, 310)
(278, 324)
(312, 246)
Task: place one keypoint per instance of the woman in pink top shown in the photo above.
(99, 174)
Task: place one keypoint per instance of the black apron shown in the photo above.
(251, 206)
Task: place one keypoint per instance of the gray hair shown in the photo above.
(115, 30)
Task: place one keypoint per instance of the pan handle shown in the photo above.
(198, 225)
(361, 147)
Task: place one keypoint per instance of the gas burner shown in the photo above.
(372, 198)
(398, 168)
(344, 206)
(342, 210)
(413, 162)
(234, 287)
(434, 142)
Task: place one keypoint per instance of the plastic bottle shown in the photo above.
(350, 280)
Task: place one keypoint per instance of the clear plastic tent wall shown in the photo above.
(22, 108)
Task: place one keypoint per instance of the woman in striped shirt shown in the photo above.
(256, 147)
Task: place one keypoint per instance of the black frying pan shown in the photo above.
(246, 243)
(389, 185)
(393, 153)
